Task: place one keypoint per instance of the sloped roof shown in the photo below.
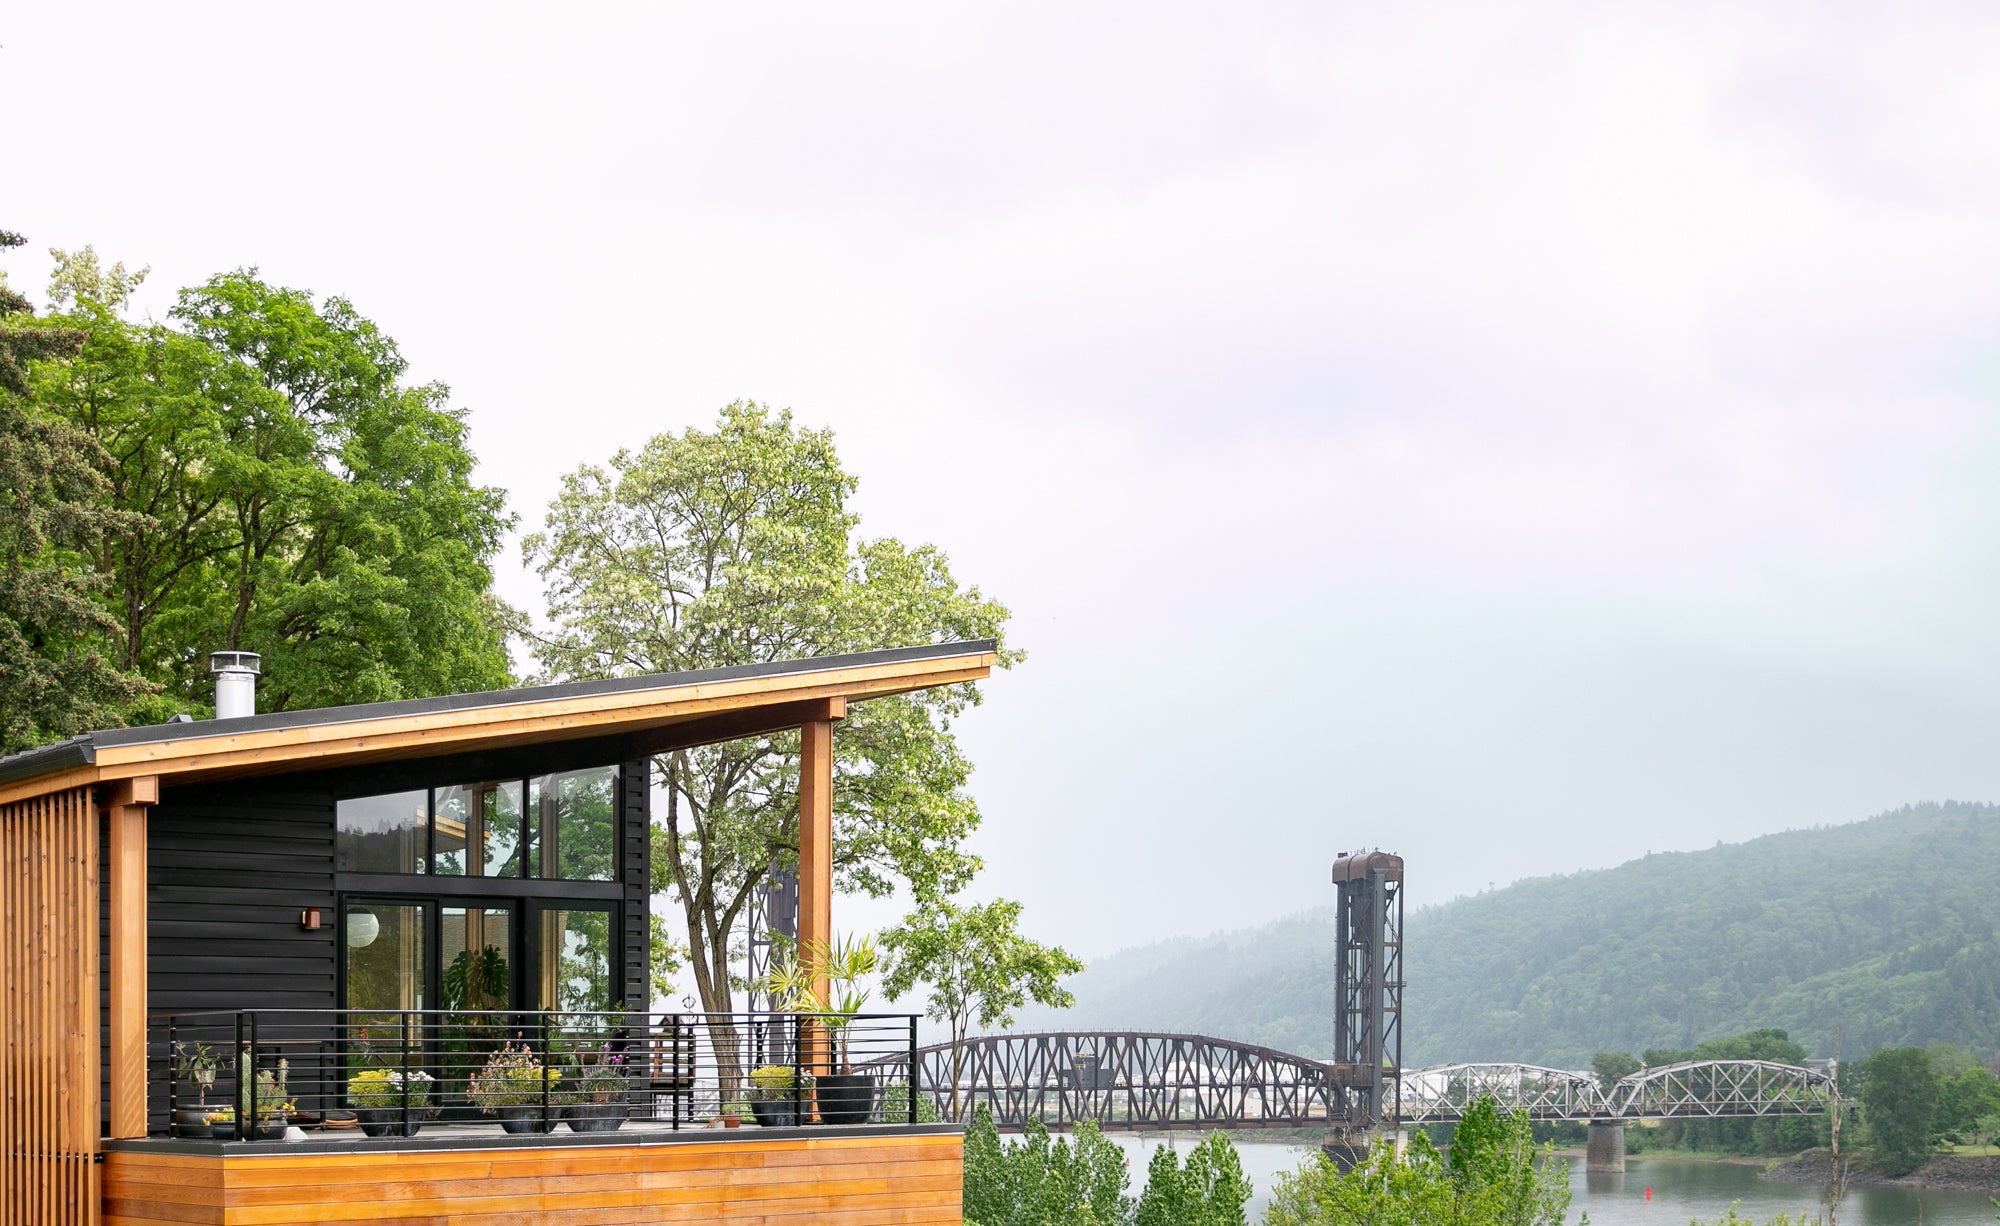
(422, 727)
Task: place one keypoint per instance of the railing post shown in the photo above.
(542, 1035)
(798, 1073)
(173, 1080)
(913, 1068)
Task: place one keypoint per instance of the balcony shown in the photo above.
(368, 1116)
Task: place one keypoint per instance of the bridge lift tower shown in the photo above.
(1368, 999)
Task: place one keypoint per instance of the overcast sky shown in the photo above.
(1518, 436)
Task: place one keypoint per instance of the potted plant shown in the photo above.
(515, 1086)
(596, 1102)
(220, 1123)
(194, 1063)
(843, 1097)
(777, 1093)
(262, 1103)
(388, 1101)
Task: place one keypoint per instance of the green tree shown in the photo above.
(297, 497)
(55, 677)
(978, 967)
(1898, 1101)
(1964, 1103)
(1038, 1181)
(1494, 1176)
(1209, 1191)
(1613, 1067)
(736, 546)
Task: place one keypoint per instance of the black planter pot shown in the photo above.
(225, 1130)
(192, 1121)
(388, 1122)
(845, 1098)
(594, 1117)
(527, 1118)
(777, 1113)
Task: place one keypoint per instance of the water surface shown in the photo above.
(1681, 1190)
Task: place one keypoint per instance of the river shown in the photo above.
(1681, 1191)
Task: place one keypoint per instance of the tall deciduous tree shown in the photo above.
(55, 678)
(1494, 1176)
(1898, 1098)
(299, 499)
(736, 546)
(978, 967)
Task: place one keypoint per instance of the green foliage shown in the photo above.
(735, 546)
(1209, 1191)
(56, 678)
(253, 474)
(1493, 1176)
(388, 1087)
(1801, 931)
(512, 1077)
(1613, 1067)
(977, 966)
(1733, 1218)
(1038, 1181)
(1899, 1096)
(1968, 1106)
(843, 965)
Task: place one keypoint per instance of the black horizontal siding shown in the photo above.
(230, 868)
(635, 875)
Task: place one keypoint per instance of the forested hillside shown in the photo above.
(1883, 927)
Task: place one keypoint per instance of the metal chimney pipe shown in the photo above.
(235, 682)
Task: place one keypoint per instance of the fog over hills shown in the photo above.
(1883, 929)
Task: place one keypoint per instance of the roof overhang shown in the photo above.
(655, 713)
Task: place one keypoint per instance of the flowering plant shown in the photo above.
(601, 1080)
(387, 1087)
(512, 1078)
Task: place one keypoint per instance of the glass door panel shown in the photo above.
(478, 958)
(478, 955)
(386, 947)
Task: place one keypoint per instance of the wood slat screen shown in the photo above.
(48, 1011)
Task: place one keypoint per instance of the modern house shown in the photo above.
(209, 930)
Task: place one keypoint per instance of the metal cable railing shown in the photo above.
(243, 1075)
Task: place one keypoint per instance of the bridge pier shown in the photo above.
(1604, 1153)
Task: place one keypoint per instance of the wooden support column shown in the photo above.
(816, 869)
(130, 800)
(816, 834)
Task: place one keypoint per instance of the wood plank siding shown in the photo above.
(849, 1181)
(48, 1000)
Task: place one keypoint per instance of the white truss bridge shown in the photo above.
(1702, 1089)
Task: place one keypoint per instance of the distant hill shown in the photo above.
(1885, 927)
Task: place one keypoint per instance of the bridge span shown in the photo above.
(1135, 1080)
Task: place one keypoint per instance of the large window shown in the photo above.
(576, 961)
(560, 827)
(384, 834)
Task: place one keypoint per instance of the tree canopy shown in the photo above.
(736, 546)
(255, 473)
(56, 678)
(977, 966)
(1493, 1175)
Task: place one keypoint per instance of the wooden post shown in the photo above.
(816, 861)
(130, 799)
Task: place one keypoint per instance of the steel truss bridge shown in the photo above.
(1140, 1081)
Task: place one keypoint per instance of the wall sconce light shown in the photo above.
(309, 919)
